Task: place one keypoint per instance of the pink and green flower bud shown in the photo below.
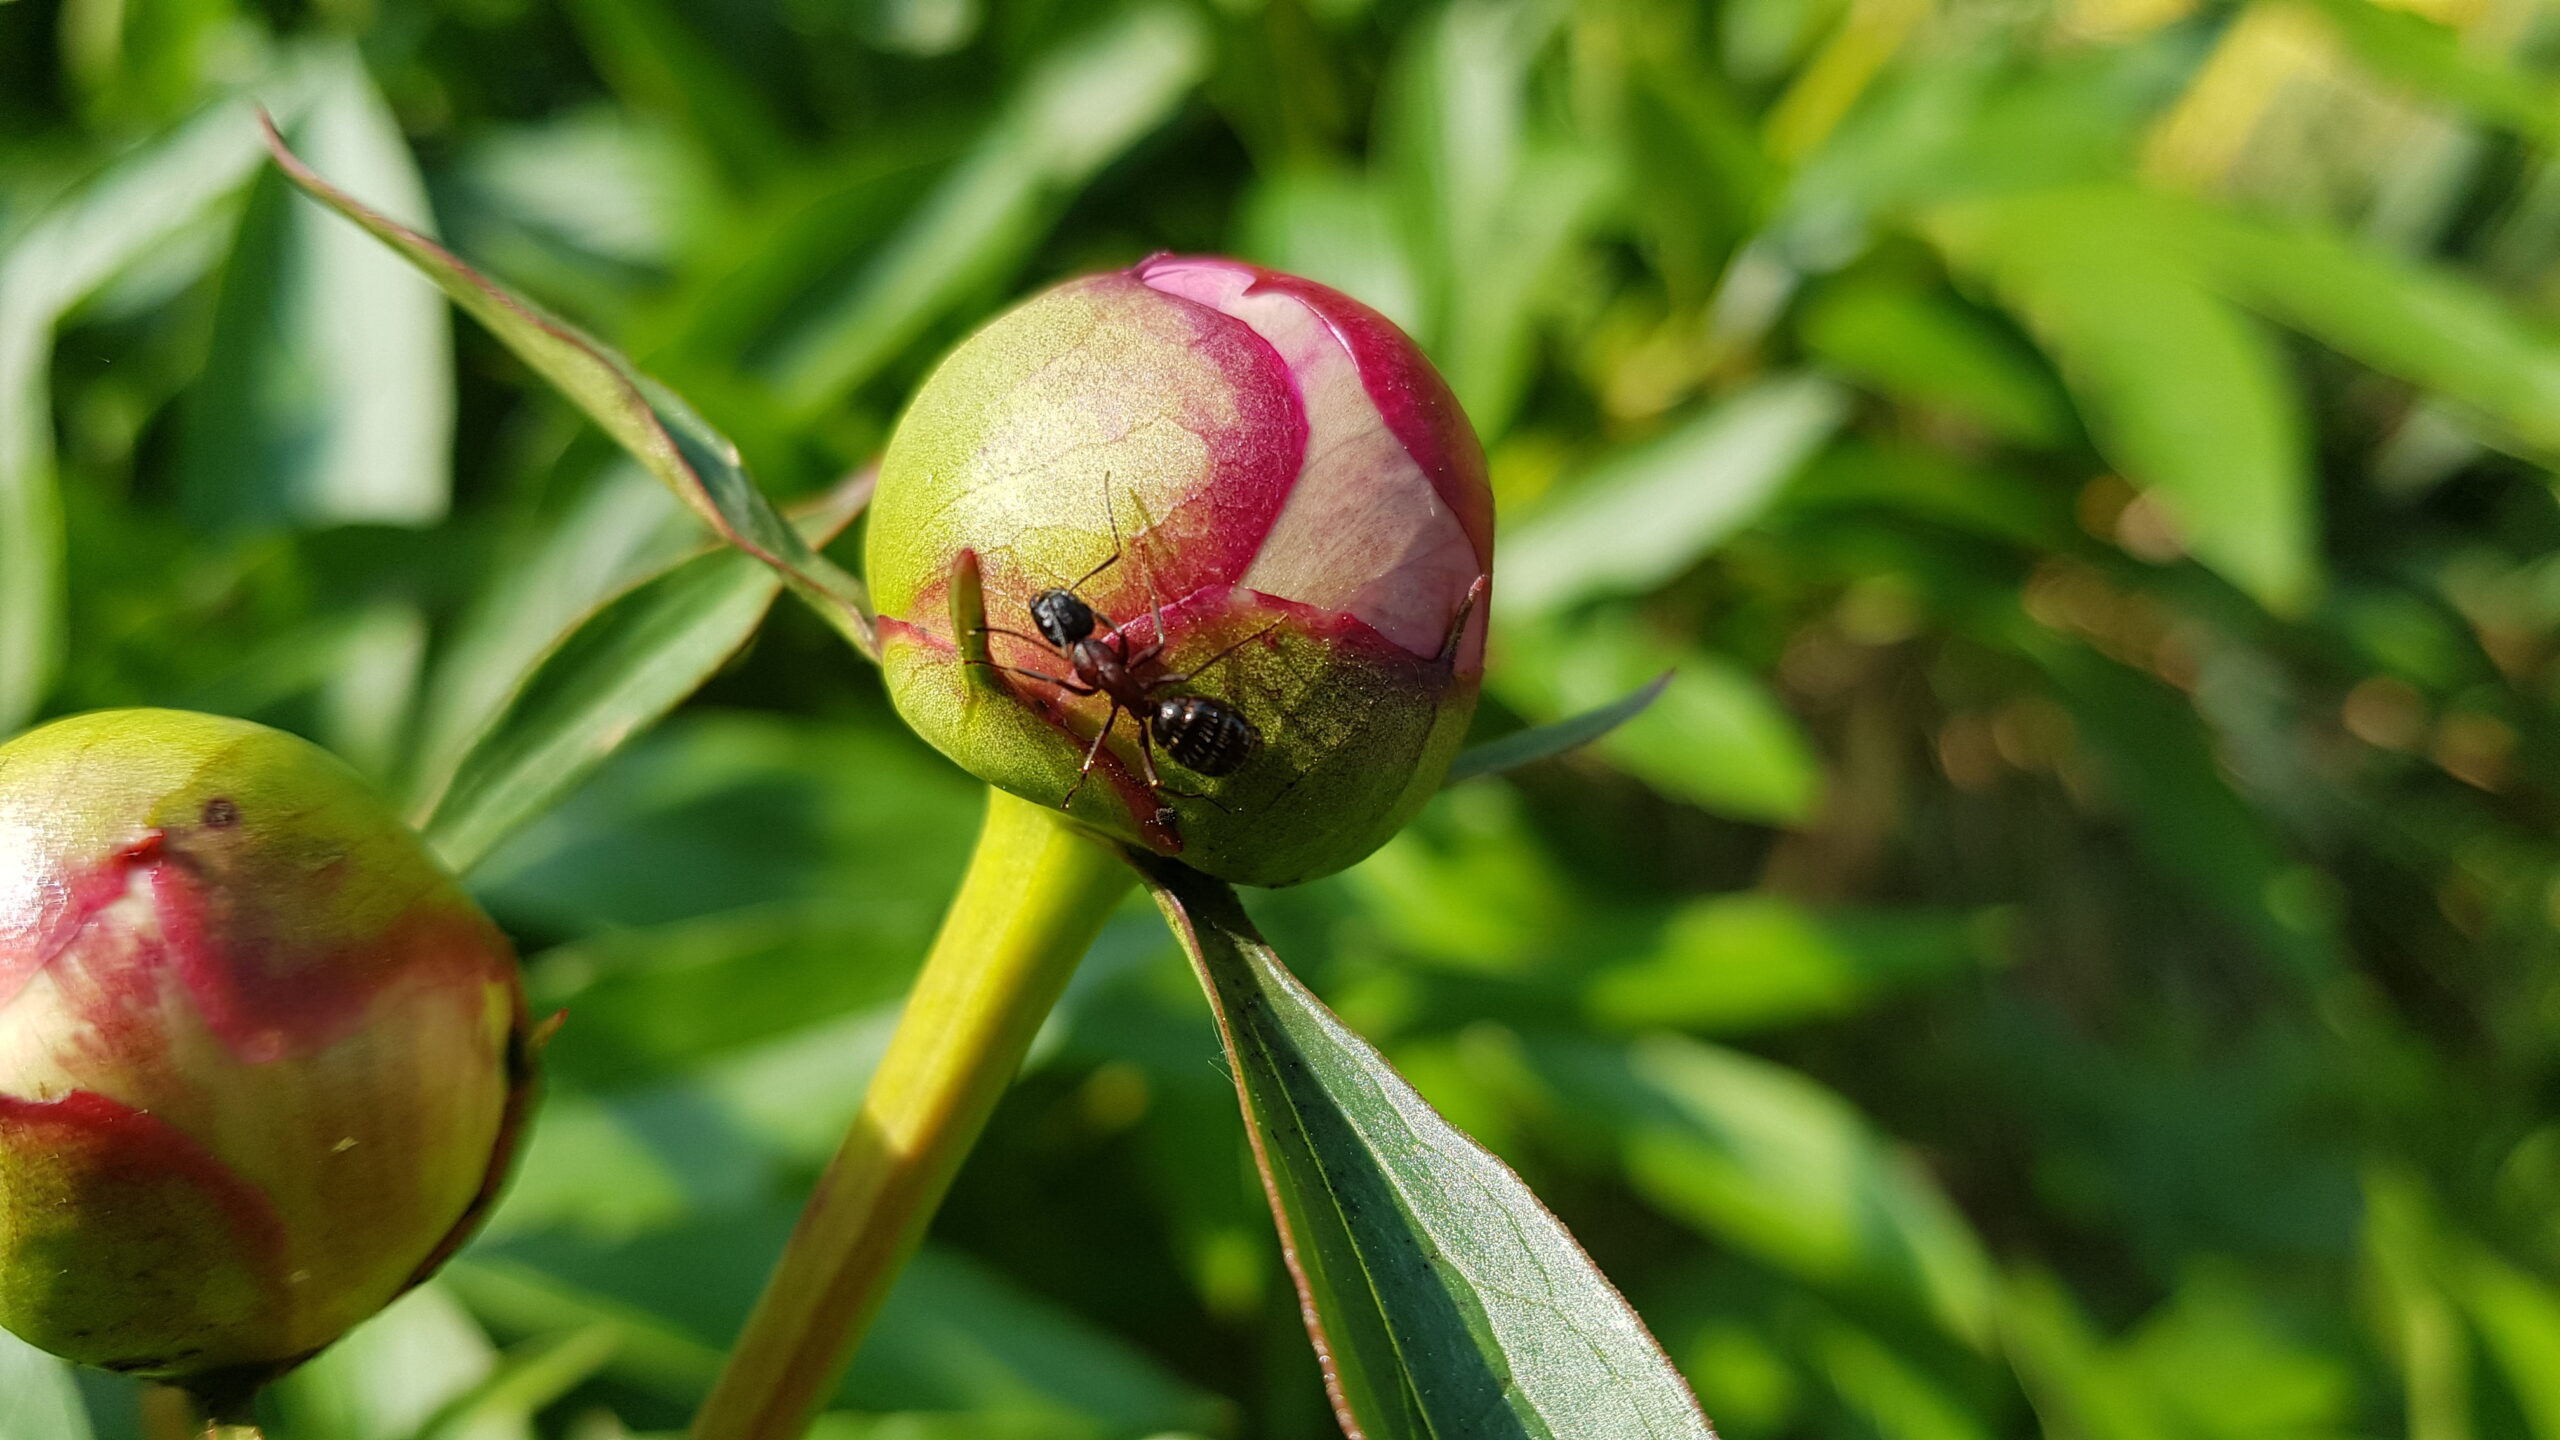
(262, 1061)
(1301, 522)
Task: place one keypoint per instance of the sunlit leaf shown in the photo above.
(526, 1381)
(1927, 350)
(1545, 742)
(2415, 49)
(1494, 202)
(332, 401)
(2519, 1320)
(1334, 227)
(2182, 391)
(617, 671)
(625, 527)
(391, 1375)
(1715, 737)
(1081, 108)
(68, 252)
(646, 419)
(2425, 325)
(2222, 1354)
(1651, 513)
(2076, 1384)
(38, 1400)
(1445, 1298)
(1769, 1161)
(954, 1335)
(1900, 1399)
(1468, 887)
(1740, 962)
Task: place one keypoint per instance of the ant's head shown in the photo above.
(1062, 619)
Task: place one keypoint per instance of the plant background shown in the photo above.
(2071, 952)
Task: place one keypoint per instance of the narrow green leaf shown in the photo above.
(68, 252)
(1545, 742)
(1333, 226)
(1899, 1399)
(623, 529)
(2067, 1370)
(1493, 201)
(38, 1399)
(2519, 1321)
(1920, 346)
(1443, 1298)
(632, 661)
(658, 63)
(307, 417)
(1733, 963)
(607, 678)
(642, 416)
(530, 1378)
(2426, 325)
(955, 1335)
(2183, 392)
(392, 1374)
(2415, 50)
(1654, 512)
(1075, 114)
(1774, 1164)
(1716, 737)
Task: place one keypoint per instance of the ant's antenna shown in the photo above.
(1115, 536)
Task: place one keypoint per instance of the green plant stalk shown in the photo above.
(1036, 894)
(170, 1412)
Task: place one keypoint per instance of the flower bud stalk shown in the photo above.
(1037, 892)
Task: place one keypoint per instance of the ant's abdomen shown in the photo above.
(1204, 736)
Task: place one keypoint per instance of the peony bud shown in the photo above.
(1266, 489)
(261, 1059)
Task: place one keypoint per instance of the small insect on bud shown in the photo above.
(262, 1062)
(1197, 552)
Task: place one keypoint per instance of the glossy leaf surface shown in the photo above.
(617, 671)
(1444, 1297)
(660, 430)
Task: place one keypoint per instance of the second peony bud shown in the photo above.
(1227, 522)
(262, 1062)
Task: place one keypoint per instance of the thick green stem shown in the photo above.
(168, 1413)
(1037, 892)
(171, 1412)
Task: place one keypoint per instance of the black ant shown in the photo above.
(1204, 735)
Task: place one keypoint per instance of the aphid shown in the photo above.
(1203, 734)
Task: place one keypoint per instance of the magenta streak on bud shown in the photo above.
(265, 997)
(149, 1188)
(148, 1148)
(1357, 535)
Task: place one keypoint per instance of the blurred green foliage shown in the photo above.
(2071, 951)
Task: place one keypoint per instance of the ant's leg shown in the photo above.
(1155, 647)
(1071, 686)
(1147, 752)
(1214, 802)
(1155, 781)
(1197, 670)
(1094, 753)
(1016, 634)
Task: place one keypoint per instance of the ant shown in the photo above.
(1205, 735)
